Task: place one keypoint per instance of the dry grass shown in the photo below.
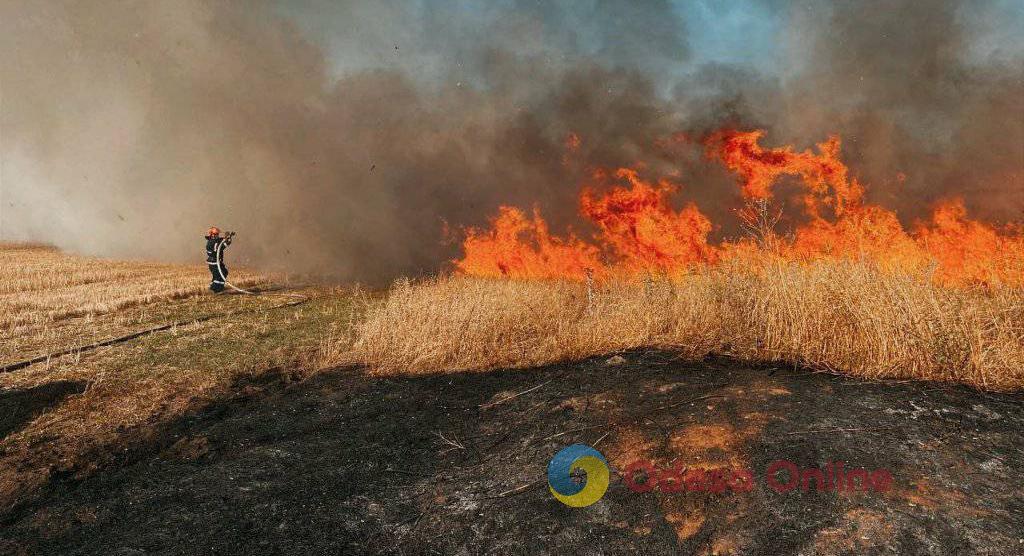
(50, 301)
(831, 315)
(40, 285)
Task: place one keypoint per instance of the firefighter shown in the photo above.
(215, 245)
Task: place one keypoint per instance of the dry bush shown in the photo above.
(831, 315)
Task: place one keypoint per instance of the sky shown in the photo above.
(358, 36)
(748, 33)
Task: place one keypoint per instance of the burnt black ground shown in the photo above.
(19, 407)
(347, 463)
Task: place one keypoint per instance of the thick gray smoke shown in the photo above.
(342, 137)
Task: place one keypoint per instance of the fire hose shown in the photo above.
(220, 265)
(17, 365)
(220, 272)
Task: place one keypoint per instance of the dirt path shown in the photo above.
(349, 463)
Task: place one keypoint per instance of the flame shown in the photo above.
(638, 231)
(642, 231)
(971, 252)
(518, 247)
(822, 174)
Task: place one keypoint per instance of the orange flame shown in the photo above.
(517, 247)
(638, 230)
(970, 252)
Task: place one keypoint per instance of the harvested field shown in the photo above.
(40, 287)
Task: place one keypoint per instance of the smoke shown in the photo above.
(342, 138)
(900, 82)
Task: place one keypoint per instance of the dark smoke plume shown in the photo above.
(343, 137)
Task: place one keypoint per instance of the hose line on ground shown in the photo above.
(220, 271)
(298, 299)
(17, 365)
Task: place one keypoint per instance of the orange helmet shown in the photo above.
(213, 231)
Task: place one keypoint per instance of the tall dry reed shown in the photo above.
(832, 315)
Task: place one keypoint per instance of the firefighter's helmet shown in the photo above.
(214, 231)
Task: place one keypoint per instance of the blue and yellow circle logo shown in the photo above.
(573, 459)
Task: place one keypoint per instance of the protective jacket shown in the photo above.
(215, 249)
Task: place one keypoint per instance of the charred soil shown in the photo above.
(456, 463)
